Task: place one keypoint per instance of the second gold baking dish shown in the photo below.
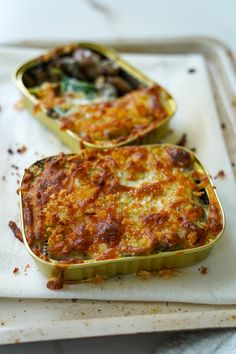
(150, 134)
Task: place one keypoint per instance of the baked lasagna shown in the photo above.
(120, 202)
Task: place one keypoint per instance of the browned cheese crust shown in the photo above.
(110, 122)
(106, 204)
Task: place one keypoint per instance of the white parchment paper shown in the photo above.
(196, 116)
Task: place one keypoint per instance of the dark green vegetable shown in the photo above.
(69, 84)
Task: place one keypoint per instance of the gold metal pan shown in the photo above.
(73, 141)
(131, 264)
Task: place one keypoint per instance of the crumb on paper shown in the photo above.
(143, 275)
(10, 151)
(165, 273)
(221, 175)
(18, 181)
(15, 167)
(183, 140)
(98, 279)
(2, 323)
(83, 313)
(193, 149)
(223, 126)
(56, 283)
(15, 270)
(230, 54)
(191, 70)
(233, 317)
(232, 164)
(22, 149)
(203, 270)
(17, 341)
(74, 300)
(3, 178)
(16, 230)
(26, 267)
(20, 104)
(18, 190)
(234, 102)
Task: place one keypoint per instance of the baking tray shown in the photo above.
(34, 320)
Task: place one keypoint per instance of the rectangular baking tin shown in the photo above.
(132, 264)
(68, 137)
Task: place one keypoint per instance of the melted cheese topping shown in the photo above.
(105, 204)
(111, 122)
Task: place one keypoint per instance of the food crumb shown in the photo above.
(10, 151)
(193, 149)
(2, 323)
(166, 272)
(233, 317)
(15, 167)
(191, 71)
(223, 126)
(74, 300)
(56, 283)
(98, 279)
(203, 270)
(16, 231)
(163, 273)
(20, 104)
(4, 178)
(26, 267)
(15, 270)
(143, 275)
(22, 149)
(183, 140)
(232, 164)
(83, 313)
(221, 175)
(234, 102)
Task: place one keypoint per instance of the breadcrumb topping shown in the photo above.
(105, 204)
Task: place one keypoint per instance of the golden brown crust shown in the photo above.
(109, 122)
(105, 204)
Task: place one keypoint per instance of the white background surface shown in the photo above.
(124, 19)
